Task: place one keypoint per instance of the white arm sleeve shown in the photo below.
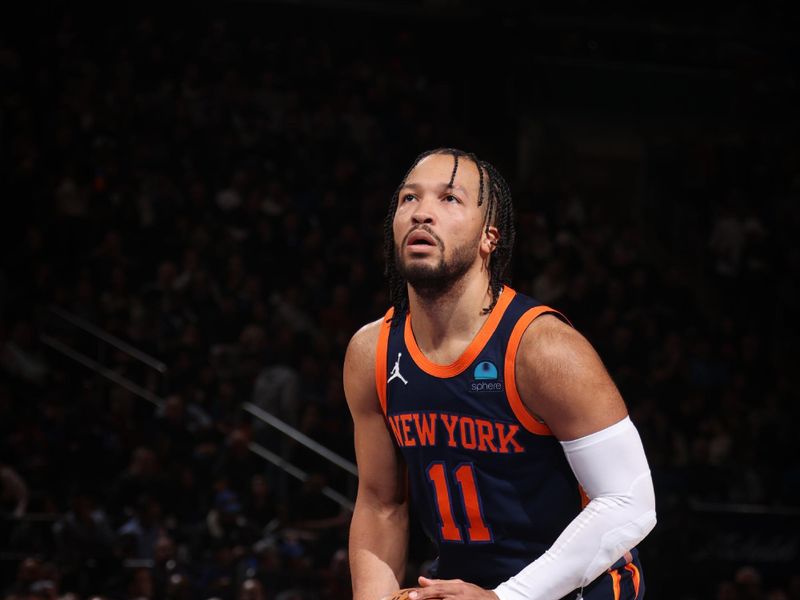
(611, 467)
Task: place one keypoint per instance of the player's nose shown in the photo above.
(422, 215)
(420, 218)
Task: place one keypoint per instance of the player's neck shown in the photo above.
(454, 316)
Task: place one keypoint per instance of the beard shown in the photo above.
(433, 280)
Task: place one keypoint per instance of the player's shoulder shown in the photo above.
(549, 341)
(551, 326)
(365, 340)
(561, 379)
(359, 369)
(362, 349)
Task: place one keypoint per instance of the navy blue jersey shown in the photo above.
(490, 482)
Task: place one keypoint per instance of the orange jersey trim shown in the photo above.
(471, 352)
(517, 406)
(635, 577)
(584, 496)
(380, 358)
(615, 579)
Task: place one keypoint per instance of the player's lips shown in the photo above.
(420, 239)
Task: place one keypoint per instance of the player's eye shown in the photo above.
(409, 197)
(451, 198)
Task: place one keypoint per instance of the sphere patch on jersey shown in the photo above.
(484, 371)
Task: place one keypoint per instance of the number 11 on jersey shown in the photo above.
(464, 474)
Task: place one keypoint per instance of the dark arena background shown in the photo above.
(191, 231)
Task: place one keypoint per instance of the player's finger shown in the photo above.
(431, 588)
(430, 593)
(435, 588)
(425, 581)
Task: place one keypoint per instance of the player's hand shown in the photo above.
(450, 588)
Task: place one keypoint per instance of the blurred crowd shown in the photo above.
(213, 193)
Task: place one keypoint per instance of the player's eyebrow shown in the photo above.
(416, 187)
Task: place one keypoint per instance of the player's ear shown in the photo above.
(489, 240)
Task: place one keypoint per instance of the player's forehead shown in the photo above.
(435, 170)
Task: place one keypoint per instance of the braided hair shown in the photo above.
(499, 213)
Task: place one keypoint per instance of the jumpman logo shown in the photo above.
(395, 374)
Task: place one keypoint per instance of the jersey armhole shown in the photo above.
(380, 358)
(524, 416)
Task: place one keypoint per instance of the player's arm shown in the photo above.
(379, 529)
(562, 380)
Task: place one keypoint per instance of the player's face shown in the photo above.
(439, 230)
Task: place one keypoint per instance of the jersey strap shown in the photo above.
(522, 413)
(380, 358)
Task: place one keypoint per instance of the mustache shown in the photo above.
(426, 229)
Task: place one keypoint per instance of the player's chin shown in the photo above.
(422, 268)
(422, 253)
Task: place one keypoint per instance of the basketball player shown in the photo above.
(490, 412)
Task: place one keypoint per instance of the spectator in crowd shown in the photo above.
(170, 574)
(143, 477)
(236, 465)
(84, 542)
(140, 586)
(261, 505)
(225, 528)
(139, 535)
(28, 573)
(251, 589)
